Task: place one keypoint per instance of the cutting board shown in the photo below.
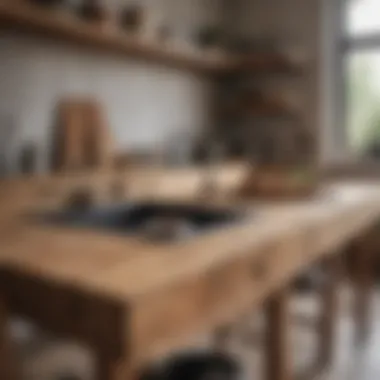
(82, 138)
(98, 147)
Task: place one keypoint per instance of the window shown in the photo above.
(361, 61)
(363, 17)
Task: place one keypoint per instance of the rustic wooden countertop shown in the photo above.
(136, 272)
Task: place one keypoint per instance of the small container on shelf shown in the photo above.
(51, 4)
(139, 22)
(209, 40)
(93, 11)
(132, 18)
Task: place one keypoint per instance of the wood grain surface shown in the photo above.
(160, 294)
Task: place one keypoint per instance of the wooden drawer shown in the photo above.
(234, 287)
(166, 314)
(208, 301)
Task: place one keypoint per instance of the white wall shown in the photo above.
(144, 102)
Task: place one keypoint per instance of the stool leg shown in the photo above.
(363, 285)
(8, 366)
(329, 309)
(277, 358)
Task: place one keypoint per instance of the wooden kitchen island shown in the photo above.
(133, 301)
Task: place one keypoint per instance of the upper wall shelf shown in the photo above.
(20, 15)
(59, 25)
(271, 63)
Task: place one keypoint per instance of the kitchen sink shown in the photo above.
(155, 221)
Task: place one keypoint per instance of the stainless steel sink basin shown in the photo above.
(155, 221)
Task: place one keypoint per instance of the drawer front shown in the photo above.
(166, 315)
(213, 299)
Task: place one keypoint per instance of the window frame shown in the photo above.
(347, 44)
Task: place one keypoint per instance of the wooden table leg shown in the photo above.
(329, 309)
(108, 368)
(277, 358)
(8, 366)
(363, 275)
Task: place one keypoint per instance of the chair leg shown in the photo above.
(329, 309)
(9, 370)
(363, 277)
(277, 358)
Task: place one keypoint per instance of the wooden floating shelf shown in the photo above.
(61, 25)
(263, 111)
(273, 63)
(66, 27)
